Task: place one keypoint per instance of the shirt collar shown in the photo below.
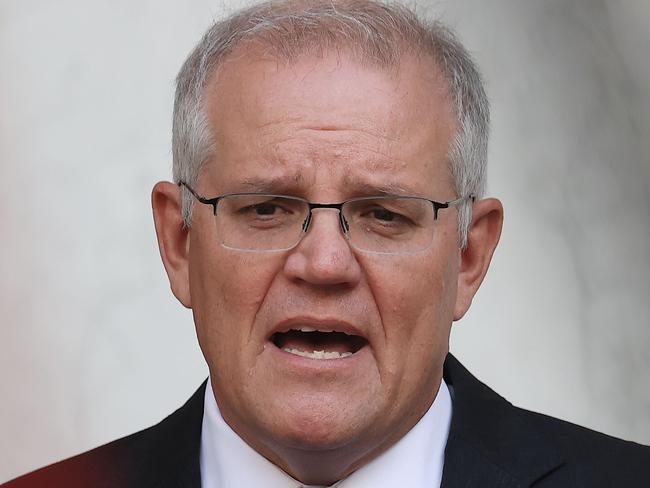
(416, 460)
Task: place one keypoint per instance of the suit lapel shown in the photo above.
(467, 467)
(491, 443)
(180, 443)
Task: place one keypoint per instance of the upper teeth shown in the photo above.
(306, 328)
(318, 354)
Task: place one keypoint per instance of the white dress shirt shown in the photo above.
(416, 460)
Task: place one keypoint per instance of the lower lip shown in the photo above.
(305, 363)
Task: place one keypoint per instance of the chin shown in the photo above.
(318, 425)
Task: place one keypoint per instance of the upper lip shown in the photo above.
(324, 324)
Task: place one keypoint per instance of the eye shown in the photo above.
(275, 207)
(384, 214)
(266, 208)
(380, 215)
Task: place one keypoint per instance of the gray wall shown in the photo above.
(92, 343)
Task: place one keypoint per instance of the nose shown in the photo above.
(323, 256)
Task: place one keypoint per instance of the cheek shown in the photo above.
(227, 289)
(415, 296)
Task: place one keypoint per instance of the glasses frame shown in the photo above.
(345, 227)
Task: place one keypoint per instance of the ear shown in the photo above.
(483, 237)
(173, 238)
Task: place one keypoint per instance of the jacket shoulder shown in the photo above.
(167, 450)
(529, 448)
(113, 464)
(596, 459)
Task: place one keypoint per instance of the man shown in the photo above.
(326, 226)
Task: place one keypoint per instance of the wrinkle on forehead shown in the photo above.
(328, 122)
(296, 167)
(300, 179)
(257, 79)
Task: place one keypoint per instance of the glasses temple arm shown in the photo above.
(452, 203)
(207, 201)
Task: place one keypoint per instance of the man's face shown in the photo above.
(326, 130)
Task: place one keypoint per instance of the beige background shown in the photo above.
(92, 344)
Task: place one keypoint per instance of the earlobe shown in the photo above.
(483, 237)
(173, 238)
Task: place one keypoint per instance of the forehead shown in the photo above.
(331, 118)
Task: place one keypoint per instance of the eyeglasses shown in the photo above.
(260, 222)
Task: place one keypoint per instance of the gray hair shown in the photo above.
(378, 33)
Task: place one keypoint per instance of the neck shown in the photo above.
(324, 467)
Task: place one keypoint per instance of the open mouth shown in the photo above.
(315, 344)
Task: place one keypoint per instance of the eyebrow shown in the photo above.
(279, 184)
(291, 184)
(365, 188)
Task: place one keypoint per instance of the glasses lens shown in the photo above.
(260, 222)
(390, 225)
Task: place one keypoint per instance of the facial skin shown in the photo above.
(326, 129)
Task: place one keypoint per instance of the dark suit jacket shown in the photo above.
(491, 444)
